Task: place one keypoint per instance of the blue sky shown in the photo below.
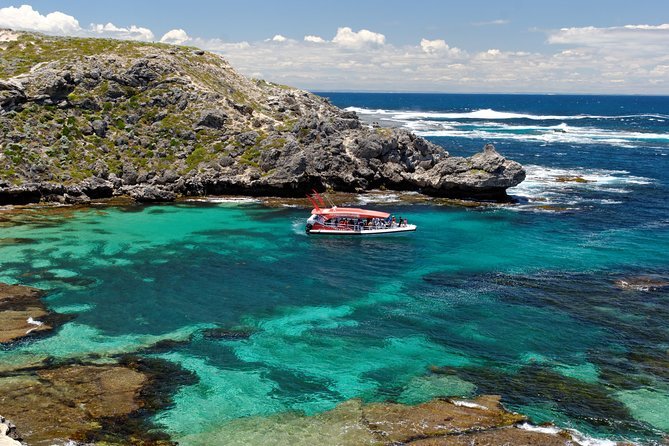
(476, 46)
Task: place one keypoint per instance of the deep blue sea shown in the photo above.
(522, 300)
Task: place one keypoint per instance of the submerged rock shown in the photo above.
(62, 403)
(109, 404)
(643, 283)
(226, 334)
(572, 179)
(397, 423)
(481, 421)
(21, 312)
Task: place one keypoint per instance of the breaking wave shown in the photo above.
(491, 124)
(488, 113)
(574, 188)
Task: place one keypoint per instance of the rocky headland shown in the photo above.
(84, 119)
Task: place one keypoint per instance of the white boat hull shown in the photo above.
(365, 231)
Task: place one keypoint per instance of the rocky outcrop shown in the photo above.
(90, 118)
(22, 312)
(83, 403)
(63, 403)
(442, 421)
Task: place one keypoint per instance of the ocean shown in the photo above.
(529, 300)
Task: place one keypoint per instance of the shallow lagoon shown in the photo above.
(518, 300)
(486, 300)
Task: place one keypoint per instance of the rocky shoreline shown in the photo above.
(84, 119)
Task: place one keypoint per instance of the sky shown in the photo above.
(476, 46)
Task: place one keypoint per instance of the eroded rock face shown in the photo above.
(21, 312)
(140, 111)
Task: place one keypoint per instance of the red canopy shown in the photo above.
(349, 212)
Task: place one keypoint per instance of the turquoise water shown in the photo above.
(477, 301)
(518, 300)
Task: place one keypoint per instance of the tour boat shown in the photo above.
(353, 221)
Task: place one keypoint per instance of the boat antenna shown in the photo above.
(327, 197)
(320, 199)
(311, 199)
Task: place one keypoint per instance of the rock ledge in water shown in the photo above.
(439, 422)
(22, 312)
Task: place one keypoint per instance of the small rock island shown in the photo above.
(83, 119)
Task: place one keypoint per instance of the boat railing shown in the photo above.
(363, 227)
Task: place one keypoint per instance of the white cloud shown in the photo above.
(175, 37)
(628, 38)
(26, 18)
(314, 39)
(622, 59)
(348, 38)
(492, 22)
(131, 33)
(433, 46)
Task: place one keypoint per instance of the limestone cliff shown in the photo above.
(91, 118)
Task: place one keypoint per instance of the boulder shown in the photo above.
(212, 118)
(97, 188)
(152, 194)
(99, 127)
(11, 95)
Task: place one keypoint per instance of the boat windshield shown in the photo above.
(362, 224)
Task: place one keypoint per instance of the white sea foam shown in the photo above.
(580, 438)
(543, 187)
(485, 124)
(32, 321)
(585, 440)
(491, 114)
(468, 404)
(561, 133)
(543, 429)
